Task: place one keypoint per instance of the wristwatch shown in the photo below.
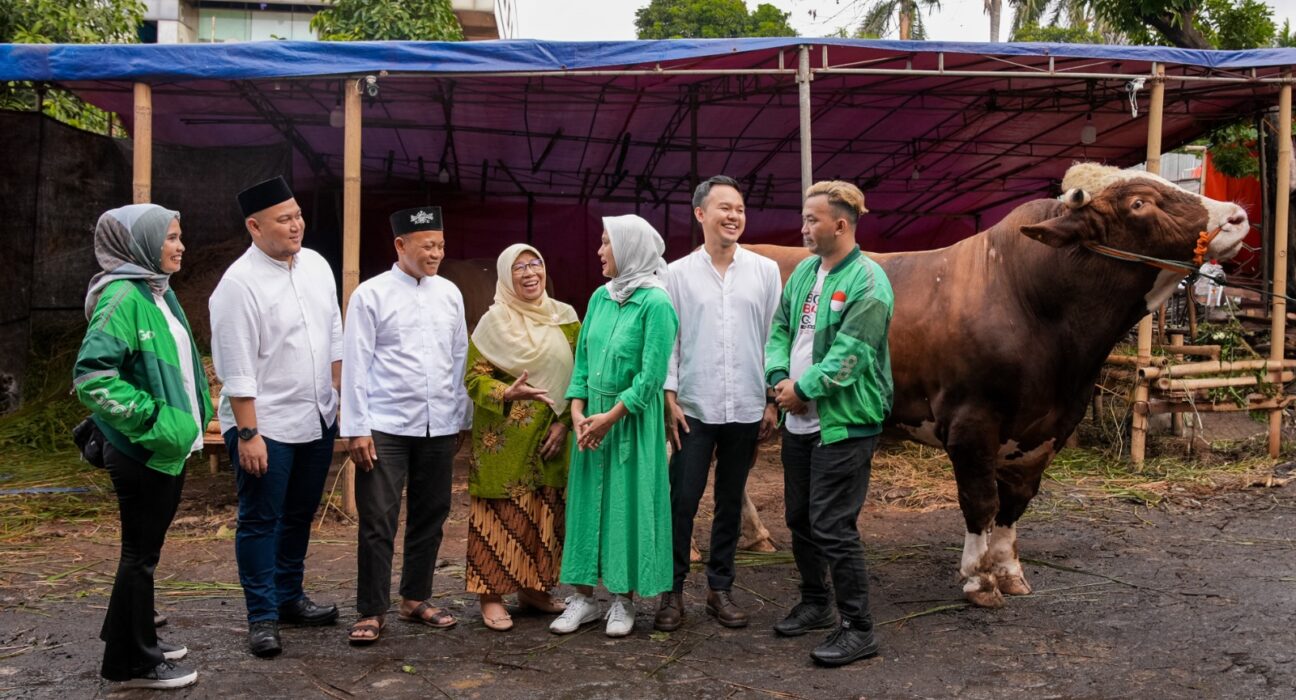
(246, 434)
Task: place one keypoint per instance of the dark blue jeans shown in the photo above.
(823, 490)
(274, 519)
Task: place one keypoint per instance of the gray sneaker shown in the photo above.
(164, 676)
(172, 652)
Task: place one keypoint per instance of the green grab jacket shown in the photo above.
(850, 380)
(127, 373)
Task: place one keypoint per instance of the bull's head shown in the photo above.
(1141, 213)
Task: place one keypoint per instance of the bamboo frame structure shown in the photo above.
(1139, 427)
(1278, 338)
(1195, 383)
(142, 146)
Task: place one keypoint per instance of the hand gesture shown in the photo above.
(521, 391)
(786, 397)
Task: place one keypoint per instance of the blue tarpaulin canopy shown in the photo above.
(535, 140)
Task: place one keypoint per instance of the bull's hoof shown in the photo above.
(981, 591)
(1012, 585)
(764, 546)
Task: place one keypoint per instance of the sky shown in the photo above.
(589, 20)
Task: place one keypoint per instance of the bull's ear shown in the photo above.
(1057, 232)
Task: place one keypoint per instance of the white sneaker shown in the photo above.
(580, 611)
(164, 676)
(172, 652)
(620, 617)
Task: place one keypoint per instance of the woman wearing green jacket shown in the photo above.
(140, 374)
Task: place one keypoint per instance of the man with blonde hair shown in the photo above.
(830, 369)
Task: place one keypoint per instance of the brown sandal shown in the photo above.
(543, 603)
(441, 619)
(366, 631)
(499, 623)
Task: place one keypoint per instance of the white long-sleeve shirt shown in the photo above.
(718, 366)
(406, 342)
(276, 332)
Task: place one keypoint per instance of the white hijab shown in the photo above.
(637, 249)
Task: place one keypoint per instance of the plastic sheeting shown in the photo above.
(282, 59)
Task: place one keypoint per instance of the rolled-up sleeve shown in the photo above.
(235, 338)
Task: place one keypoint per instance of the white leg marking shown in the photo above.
(975, 546)
(1003, 551)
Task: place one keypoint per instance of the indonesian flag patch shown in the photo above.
(838, 301)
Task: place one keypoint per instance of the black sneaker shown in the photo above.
(263, 638)
(846, 644)
(159, 619)
(805, 617)
(172, 652)
(163, 676)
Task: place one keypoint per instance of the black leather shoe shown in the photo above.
(305, 612)
(670, 612)
(846, 644)
(263, 639)
(720, 605)
(805, 617)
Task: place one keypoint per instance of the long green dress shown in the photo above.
(516, 503)
(618, 496)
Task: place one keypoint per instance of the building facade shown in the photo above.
(217, 21)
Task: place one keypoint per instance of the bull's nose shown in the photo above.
(1238, 219)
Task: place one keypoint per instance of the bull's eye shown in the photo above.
(1138, 204)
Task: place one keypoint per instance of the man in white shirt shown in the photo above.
(716, 399)
(277, 349)
(405, 415)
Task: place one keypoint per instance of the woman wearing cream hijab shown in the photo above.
(618, 491)
(519, 364)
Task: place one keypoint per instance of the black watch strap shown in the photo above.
(247, 433)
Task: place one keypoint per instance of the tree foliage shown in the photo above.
(65, 22)
(1081, 34)
(388, 20)
(882, 15)
(709, 19)
(1189, 24)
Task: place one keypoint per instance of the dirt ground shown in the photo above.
(1193, 598)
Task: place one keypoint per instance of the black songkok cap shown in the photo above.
(416, 219)
(264, 195)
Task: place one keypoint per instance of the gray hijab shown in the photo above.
(128, 245)
(637, 249)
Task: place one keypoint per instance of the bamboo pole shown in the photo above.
(1139, 427)
(1175, 406)
(1211, 351)
(351, 154)
(1134, 361)
(1176, 419)
(803, 99)
(1195, 383)
(1197, 369)
(142, 145)
(1278, 337)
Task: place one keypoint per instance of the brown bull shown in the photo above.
(997, 340)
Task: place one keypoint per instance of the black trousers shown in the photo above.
(733, 445)
(427, 463)
(823, 490)
(147, 499)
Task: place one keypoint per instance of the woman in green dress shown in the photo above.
(618, 490)
(519, 364)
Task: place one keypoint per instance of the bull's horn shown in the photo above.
(1076, 198)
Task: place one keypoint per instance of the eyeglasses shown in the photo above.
(536, 265)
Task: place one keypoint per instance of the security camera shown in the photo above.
(371, 85)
